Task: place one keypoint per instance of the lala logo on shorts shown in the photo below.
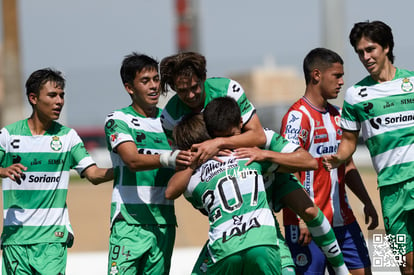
(240, 227)
(56, 144)
(406, 85)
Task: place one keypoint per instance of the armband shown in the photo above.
(168, 159)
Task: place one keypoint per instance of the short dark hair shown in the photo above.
(39, 78)
(376, 31)
(185, 64)
(319, 58)
(190, 130)
(221, 114)
(134, 63)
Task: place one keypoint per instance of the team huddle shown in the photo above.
(209, 145)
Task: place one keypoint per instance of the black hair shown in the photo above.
(376, 31)
(319, 58)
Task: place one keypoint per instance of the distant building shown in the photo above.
(272, 90)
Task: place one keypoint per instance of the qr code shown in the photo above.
(388, 251)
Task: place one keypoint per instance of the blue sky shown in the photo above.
(87, 40)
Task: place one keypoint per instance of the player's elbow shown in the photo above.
(97, 175)
(313, 164)
(170, 194)
(93, 179)
(261, 139)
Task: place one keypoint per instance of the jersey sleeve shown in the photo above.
(168, 123)
(189, 193)
(247, 109)
(296, 128)
(81, 157)
(349, 117)
(3, 139)
(278, 143)
(116, 130)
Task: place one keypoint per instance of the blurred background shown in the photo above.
(261, 44)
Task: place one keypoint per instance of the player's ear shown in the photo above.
(128, 88)
(316, 75)
(386, 50)
(32, 98)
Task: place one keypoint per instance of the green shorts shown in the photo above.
(263, 259)
(286, 261)
(43, 258)
(283, 184)
(140, 249)
(200, 266)
(397, 202)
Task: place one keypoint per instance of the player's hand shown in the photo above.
(305, 236)
(225, 152)
(331, 162)
(183, 159)
(205, 150)
(371, 213)
(14, 172)
(252, 153)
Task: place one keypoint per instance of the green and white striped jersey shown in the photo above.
(35, 210)
(234, 197)
(277, 143)
(139, 196)
(214, 87)
(272, 179)
(384, 112)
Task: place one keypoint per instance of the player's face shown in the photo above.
(190, 92)
(49, 103)
(372, 55)
(332, 81)
(145, 90)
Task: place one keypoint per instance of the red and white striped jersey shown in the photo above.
(318, 132)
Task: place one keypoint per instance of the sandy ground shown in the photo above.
(89, 210)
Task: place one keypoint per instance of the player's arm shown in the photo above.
(140, 162)
(300, 203)
(346, 148)
(252, 135)
(299, 160)
(354, 181)
(98, 175)
(178, 183)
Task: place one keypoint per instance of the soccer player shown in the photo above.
(36, 155)
(313, 123)
(222, 118)
(242, 235)
(142, 221)
(381, 107)
(186, 74)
